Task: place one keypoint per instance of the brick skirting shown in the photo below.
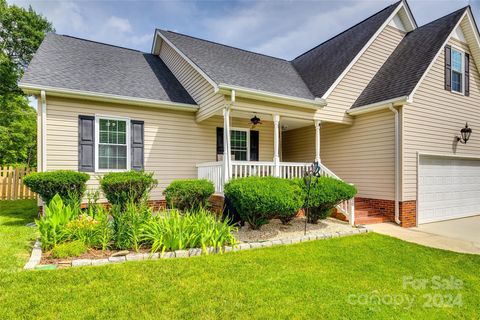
(408, 213)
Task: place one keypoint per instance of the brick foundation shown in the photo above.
(408, 213)
(217, 203)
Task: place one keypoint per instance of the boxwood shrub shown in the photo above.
(259, 199)
(121, 188)
(189, 194)
(325, 193)
(65, 183)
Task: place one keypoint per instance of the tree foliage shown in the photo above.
(21, 32)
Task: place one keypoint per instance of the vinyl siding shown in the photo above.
(361, 153)
(435, 118)
(174, 142)
(357, 78)
(196, 85)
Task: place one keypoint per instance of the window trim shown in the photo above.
(462, 53)
(247, 130)
(97, 141)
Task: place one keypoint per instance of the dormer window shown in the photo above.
(457, 71)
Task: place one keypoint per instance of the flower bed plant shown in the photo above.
(69, 231)
(259, 199)
(189, 194)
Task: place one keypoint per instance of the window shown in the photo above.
(457, 71)
(112, 147)
(239, 141)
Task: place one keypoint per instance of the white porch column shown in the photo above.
(317, 140)
(227, 163)
(276, 144)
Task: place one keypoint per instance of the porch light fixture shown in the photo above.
(255, 120)
(465, 134)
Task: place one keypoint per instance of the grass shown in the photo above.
(308, 280)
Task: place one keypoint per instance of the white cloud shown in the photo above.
(118, 24)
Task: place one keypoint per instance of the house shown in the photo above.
(380, 105)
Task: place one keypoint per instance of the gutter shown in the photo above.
(106, 97)
(316, 103)
(378, 105)
(397, 163)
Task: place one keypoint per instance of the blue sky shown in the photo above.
(280, 28)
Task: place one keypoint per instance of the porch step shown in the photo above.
(371, 219)
(365, 212)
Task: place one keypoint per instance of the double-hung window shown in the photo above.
(457, 70)
(239, 142)
(112, 143)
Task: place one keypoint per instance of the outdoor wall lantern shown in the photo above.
(465, 134)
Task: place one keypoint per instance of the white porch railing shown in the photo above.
(214, 171)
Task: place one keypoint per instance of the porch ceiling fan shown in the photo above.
(255, 121)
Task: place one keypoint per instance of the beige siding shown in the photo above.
(361, 153)
(174, 141)
(435, 117)
(199, 88)
(348, 90)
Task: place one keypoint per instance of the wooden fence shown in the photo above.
(11, 184)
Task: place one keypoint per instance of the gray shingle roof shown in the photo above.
(72, 63)
(403, 69)
(233, 66)
(322, 65)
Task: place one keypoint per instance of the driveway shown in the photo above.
(460, 235)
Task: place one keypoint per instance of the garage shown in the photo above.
(448, 188)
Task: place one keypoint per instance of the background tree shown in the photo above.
(21, 32)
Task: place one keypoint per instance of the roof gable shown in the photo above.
(237, 67)
(324, 65)
(407, 65)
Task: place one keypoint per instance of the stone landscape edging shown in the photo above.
(36, 255)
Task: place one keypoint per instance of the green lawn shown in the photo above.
(320, 279)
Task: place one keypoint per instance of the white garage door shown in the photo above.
(448, 188)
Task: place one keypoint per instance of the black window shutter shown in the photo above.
(448, 68)
(219, 141)
(137, 138)
(254, 145)
(467, 74)
(86, 143)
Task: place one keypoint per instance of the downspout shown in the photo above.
(397, 164)
(44, 130)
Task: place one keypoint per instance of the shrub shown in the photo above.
(258, 199)
(195, 229)
(189, 193)
(325, 193)
(128, 224)
(52, 224)
(122, 187)
(69, 249)
(65, 183)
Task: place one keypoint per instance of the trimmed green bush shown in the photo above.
(122, 187)
(69, 249)
(189, 194)
(259, 199)
(67, 184)
(325, 193)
